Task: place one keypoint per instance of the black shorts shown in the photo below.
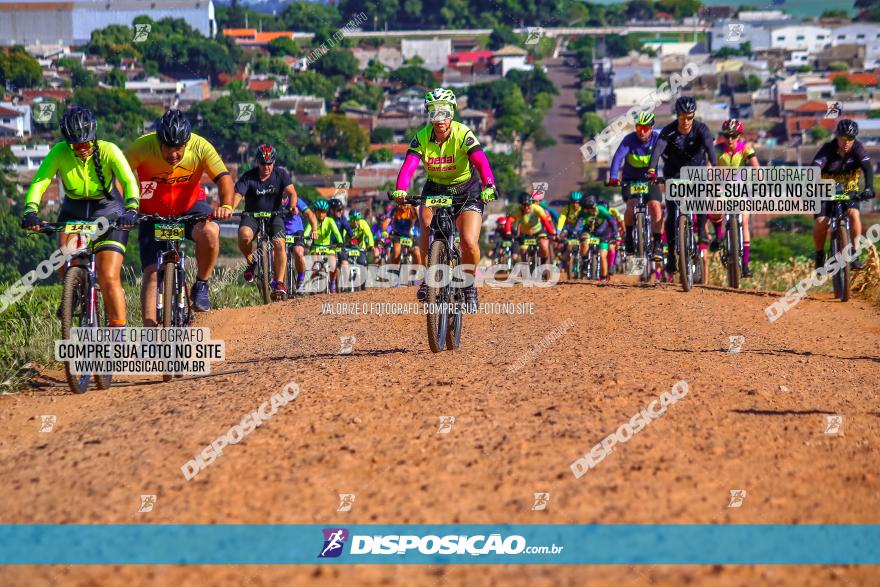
(654, 194)
(112, 240)
(465, 198)
(150, 246)
(297, 239)
(826, 207)
(276, 223)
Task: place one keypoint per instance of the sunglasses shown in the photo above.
(730, 135)
(686, 116)
(847, 137)
(82, 146)
(643, 127)
(266, 164)
(439, 115)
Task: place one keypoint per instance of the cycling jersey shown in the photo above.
(446, 163)
(80, 178)
(532, 221)
(635, 156)
(554, 215)
(618, 217)
(294, 224)
(737, 157)
(344, 228)
(569, 216)
(326, 231)
(263, 196)
(172, 190)
(601, 224)
(679, 150)
(360, 231)
(404, 212)
(844, 169)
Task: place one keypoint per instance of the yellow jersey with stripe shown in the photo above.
(446, 163)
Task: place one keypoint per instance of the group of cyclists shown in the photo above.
(159, 175)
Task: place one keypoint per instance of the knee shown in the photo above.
(108, 279)
(210, 233)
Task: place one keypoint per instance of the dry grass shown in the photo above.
(866, 283)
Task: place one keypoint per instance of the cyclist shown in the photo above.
(841, 159)
(449, 150)
(684, 142)
(293, 226)
(503, 231)
(381, 236)
(174, 159)
(614, 242)
(327, 231)
(361, 235)
(264, 188)
(568, 220)
(733, 151)
(337, 213)
(89, 169)
(403, 224)
(596, 221)
(631, 162)
(531, 220)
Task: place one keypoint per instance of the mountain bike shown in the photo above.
(81, 301)
(643, 244)
(839, 230)
(319, 274)
(732, 251)
(592, 262)
(573, 255)
(353, 281)
(445, 301)
(504, 253)
(264, 270)
(406, 256)
(529, 247)
(291, 241)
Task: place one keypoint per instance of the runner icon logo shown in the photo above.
(833, 424)
(735, 343)
(47, 423)
(147, 503)
(737, 496)
(346, 344)
(541, 500)
(446, 423)
(346, 500)
(334, 540)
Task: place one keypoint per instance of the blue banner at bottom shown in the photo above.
(433, 544)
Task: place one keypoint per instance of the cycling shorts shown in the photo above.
(467, 196)
(654, 194)
(827, 208)
(112, 240)
(277, 224)
(150, 246)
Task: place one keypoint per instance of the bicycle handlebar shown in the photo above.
(174, 218)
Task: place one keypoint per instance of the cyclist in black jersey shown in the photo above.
(683, 143)
(840, 160)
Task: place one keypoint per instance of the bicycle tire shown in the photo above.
(734, 260)
(595, 264)
(74, 301)
(169, 302)
(685, 265)
(841, 238)
(264, 269)
(437, 318)
(101, 381)
(453, 331)
(290, 278)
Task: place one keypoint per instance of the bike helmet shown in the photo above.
(847, 127)
(525, 198)
(321, 205)
(645, 118)
(78, 125)
(439, 95)
(174, 129)
(685, 105)
(575, 197)
(732, 127)
(589, 202)
(502, 220)
(335, 205)
(266, 154)
(354, 215)
(603, 203)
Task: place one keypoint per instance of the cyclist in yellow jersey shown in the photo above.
(735, 152)
(531, 220)
(327, 230)
(172, 161)
(450, 151)
(88, 170)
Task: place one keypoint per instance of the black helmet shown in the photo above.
(266, 154)
(174, 129)
(847, 127)
(589, 202)
(685, 105)
(525, 198)
(335, 205)
(78, 125)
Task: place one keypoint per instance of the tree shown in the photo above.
(341, 137)
(382, 136)
(838, 66)
(367, 95)
(19, 68)
(120, 114)
(502, 35)
(587, 98)
(310, 83)
(680, 8)
(337, 62)
(308, 16)
(284, 46)
(818, 133)
(842, 83)
(309, 165)
(413, 75)
(753, 82)
(591, 124)
(382, 155)
(837, 13)
(640, 10)
(375, 70)
(115, 78)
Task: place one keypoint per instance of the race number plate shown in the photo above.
(80, 227)
(169, 232)
(353, 252)
(321, 250)
(529, 242)
(506, 243)
(261, 214)
(405, 242)
(593, 240)
(438, 201)
(289, 239)
(638, 188)
(574, 242)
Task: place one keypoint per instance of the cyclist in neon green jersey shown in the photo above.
(450, 151)
(326, 230)
(89, 169)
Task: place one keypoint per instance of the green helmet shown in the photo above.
(575, 197)
(322, 205)
(439, 95)
(355, 215)
(645, 118)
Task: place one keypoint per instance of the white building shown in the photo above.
(15, 119)
(72, 21)
(801, 38)
(861, 34)
(511, 57)
(435, 53)
(29, 157)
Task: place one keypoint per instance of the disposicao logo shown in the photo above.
(334, 540)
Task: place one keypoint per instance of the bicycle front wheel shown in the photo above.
(74, 308)
(438, 308)
(263, 251)
(685, 263)
(840, 240)
(734, 262)
(169, 301)
(102, 381)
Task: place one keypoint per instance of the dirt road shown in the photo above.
(367, 423)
